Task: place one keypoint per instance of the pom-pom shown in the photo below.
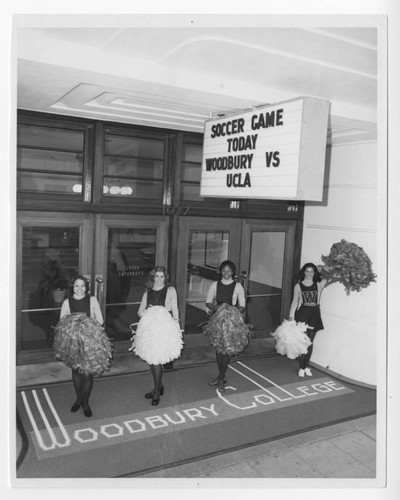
(227, 331)
(347, 263)
(158, 338)
(291, 339)
(82, 344)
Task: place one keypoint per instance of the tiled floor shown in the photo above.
(345, 450)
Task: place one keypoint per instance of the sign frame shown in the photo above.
(275, 151)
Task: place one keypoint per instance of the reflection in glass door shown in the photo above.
(131, 254)
(264, 285)
(127, 250)
(206, 250)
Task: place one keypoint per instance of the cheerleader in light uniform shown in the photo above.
(227, 331)
(158, 337)
(81, 342)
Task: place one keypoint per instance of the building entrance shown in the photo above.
(116, 252)
(261, 250)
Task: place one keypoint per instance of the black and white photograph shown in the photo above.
(199, 240)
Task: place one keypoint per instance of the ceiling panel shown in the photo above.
(367, 34)
(178, 77)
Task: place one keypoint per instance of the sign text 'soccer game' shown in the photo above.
(273, 152)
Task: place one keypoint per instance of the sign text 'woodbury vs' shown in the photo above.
(272, 152)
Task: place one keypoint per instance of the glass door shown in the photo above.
(51, 248)
(127, 248)
(263, 252)
(266, 272)
(114, 252)
(203, 244)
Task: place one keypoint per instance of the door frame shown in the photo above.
(287, 227)
(202, 224)
(239, 250)
(51, 219)
(105, 221)
(92, 244)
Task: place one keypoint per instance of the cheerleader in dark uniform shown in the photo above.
(158, 337)
(305, 309)
(81, 342)
(227, 332)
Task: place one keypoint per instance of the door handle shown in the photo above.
(243, 282)
(99, 288)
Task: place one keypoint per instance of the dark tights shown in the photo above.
(223, 361)
(156, 371)
(83, 387)
(304, 359)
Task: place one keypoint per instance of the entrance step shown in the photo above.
(49, 371)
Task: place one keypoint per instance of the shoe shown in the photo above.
(221, 387)
(308, 372)
(149, 395)
(216, 382)
(301, 372)
(87, 412)
(75, 407)
(156, 398)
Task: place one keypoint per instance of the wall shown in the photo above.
(348, 344)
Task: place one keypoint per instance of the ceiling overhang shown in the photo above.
(177, 79)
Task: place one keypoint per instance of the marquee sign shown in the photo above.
(272, 152)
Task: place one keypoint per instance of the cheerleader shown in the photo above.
(81, 342)
(305, 309)
(228, 333)
(158, 337)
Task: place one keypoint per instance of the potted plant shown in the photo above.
(60, 286)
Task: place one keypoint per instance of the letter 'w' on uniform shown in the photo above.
(50, 432)
(310, 297)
